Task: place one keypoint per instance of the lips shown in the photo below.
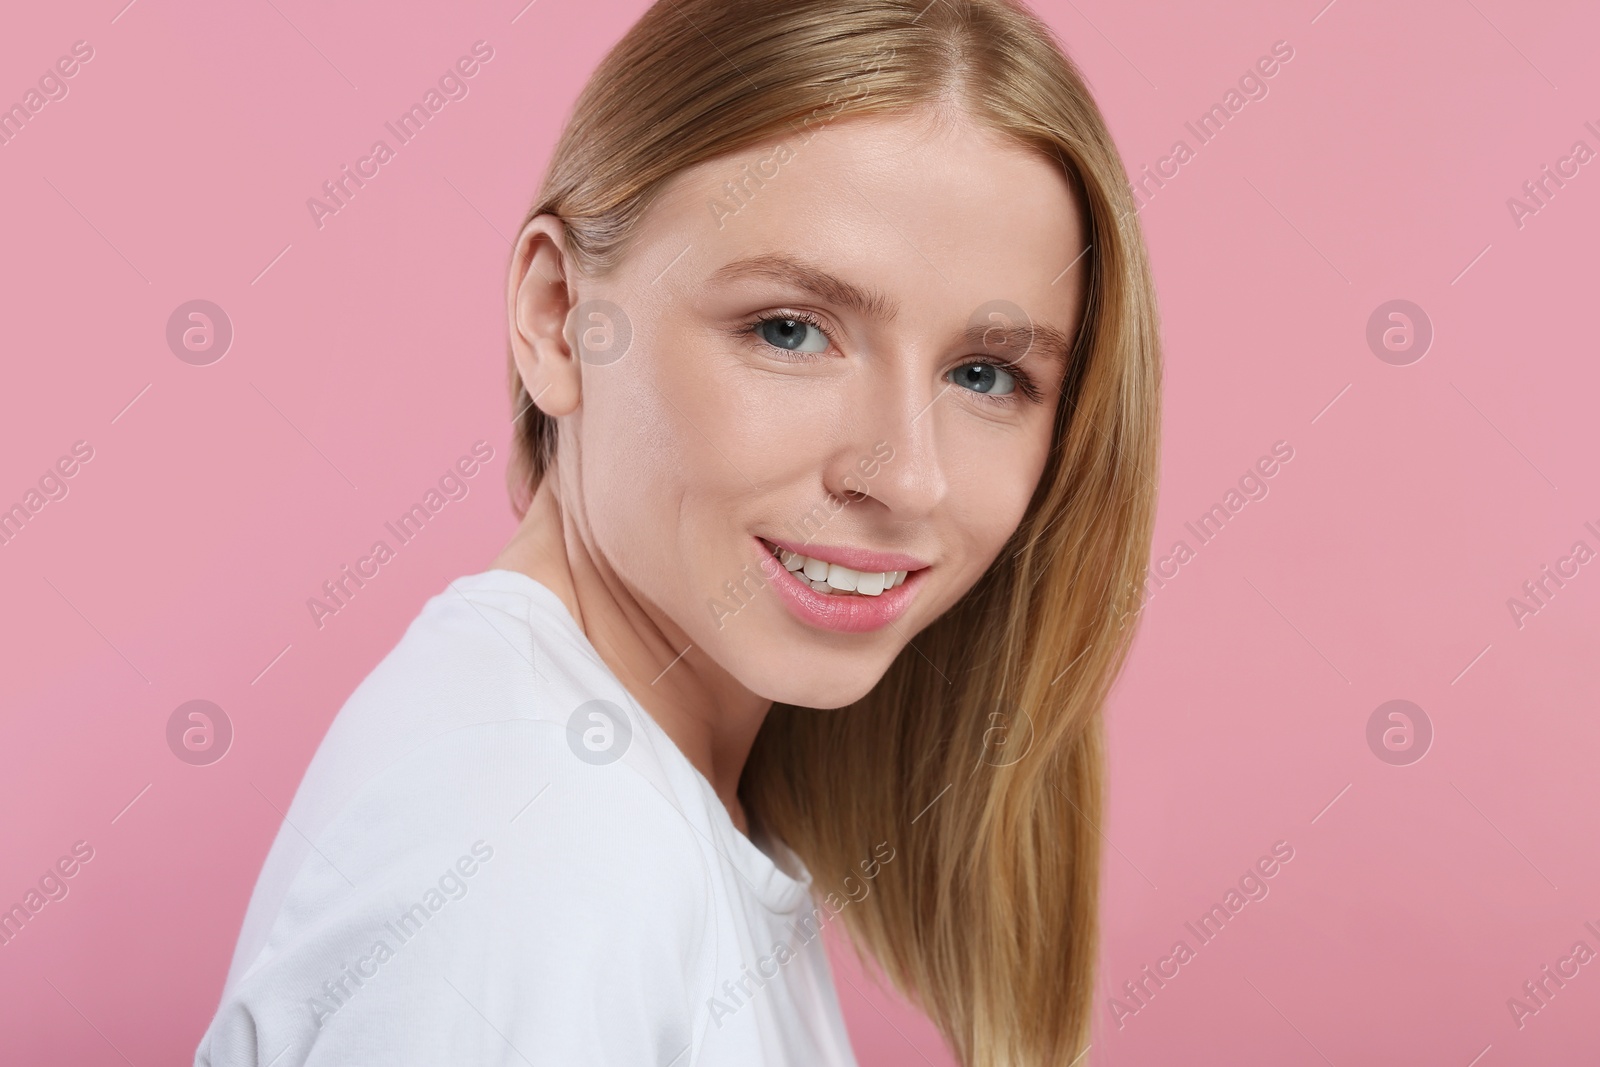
(859, 559)
(835, 579)
(842, 611)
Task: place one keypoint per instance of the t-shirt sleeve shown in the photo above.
(489, 899)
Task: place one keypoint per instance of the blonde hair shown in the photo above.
(987, 918)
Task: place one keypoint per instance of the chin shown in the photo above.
(803, 688)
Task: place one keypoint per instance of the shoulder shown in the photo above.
(561, 824)
(493, 716)
(490, 881)
(454, 829)
(474, 652)
(495, 650)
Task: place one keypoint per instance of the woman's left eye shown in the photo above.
(790, 335)
(985, 378)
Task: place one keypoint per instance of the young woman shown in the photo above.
(835, 369)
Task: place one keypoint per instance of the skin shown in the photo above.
(674, 454)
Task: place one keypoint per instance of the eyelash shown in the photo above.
(1025, 381)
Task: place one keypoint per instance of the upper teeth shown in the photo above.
(830, 577)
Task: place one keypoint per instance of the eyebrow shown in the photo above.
(1023, 338)
(867, 302)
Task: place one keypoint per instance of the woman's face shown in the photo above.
(851, 346)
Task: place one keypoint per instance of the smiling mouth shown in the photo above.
(831, 578)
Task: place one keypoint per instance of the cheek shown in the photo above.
(669, 455)
(691, 412)
(990, 489)
(632, 466)
(982, 512)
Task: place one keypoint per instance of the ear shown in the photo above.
(538, 299)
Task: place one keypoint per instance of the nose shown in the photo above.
(892, 453)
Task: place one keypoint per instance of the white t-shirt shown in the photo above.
(482, 867)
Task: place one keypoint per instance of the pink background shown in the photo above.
(368, 355)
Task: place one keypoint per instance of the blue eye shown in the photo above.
(790, 335)
(985, 378)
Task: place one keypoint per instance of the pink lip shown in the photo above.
(841, 613)
(857, 559)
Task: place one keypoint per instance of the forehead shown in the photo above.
(930, 214)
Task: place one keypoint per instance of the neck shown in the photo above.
(707, 713)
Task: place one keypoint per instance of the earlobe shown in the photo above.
(539, 301)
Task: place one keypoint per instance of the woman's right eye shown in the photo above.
(791, 334)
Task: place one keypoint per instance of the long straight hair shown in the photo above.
(977, 757)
